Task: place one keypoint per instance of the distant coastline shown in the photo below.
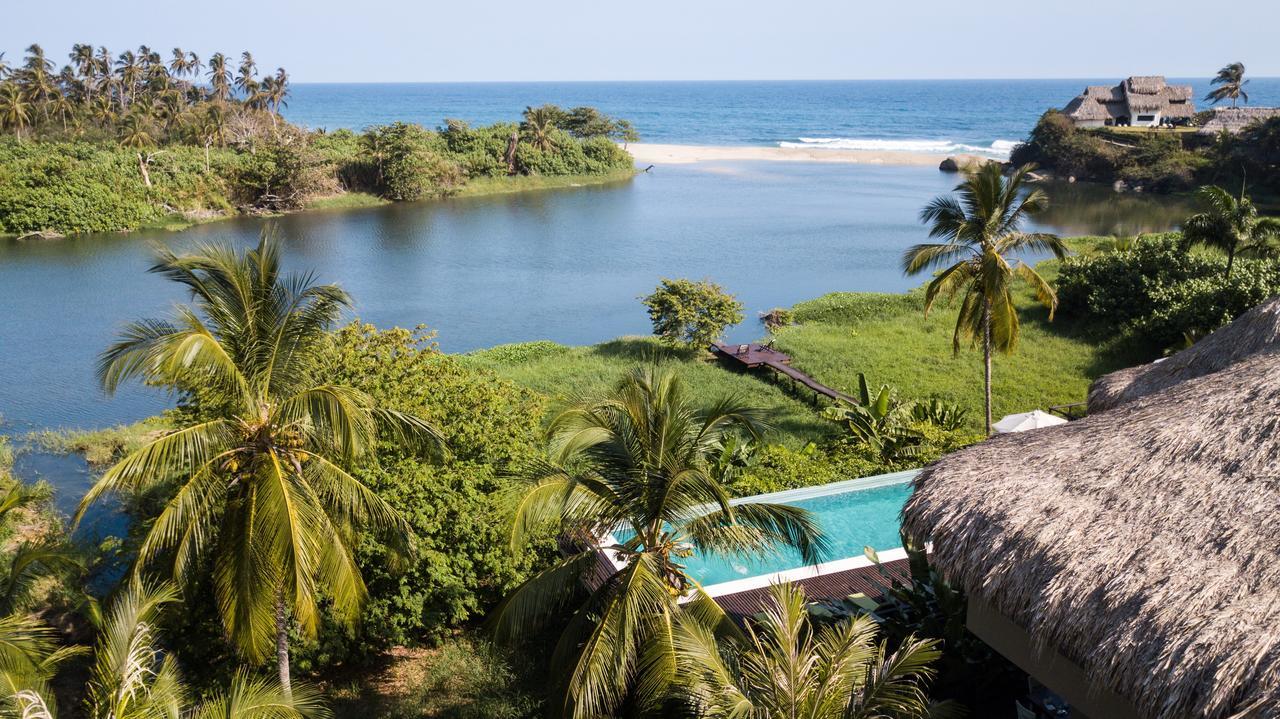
(657, 154)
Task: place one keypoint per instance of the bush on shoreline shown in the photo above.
(78, 185)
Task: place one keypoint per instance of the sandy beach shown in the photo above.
(656, 154)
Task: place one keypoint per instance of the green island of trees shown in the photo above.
(118, 142)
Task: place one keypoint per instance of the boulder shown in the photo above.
(950, 164)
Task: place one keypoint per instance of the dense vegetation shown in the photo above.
(1156, 295)
(117, 142)
(1158, 160)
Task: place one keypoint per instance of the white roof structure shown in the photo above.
(1035, 419)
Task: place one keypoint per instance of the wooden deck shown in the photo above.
(834, 586)
(755, 356)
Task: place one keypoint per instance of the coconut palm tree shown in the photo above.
(220, 76)
(5, 70)
(786, 667)
(1230, 224)
(29, 657)
(132, 678)
(982, 228)
(539, 126)
(247, 80)
(264, 488)
(179, 64)
(135, 131)
(1230, 85)
(15, 111)
(639, 463)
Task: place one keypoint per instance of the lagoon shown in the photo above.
(566, 265)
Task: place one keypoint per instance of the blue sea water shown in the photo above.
(927, 115)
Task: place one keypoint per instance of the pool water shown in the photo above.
(852, 520)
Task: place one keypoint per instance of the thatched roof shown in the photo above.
(1255, 331)
(1235, 119)
(1140, 93)
(1141, 543)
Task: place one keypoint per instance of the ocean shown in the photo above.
(939, 116)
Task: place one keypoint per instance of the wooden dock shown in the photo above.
(755, 356)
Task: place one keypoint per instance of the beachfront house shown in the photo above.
(1138, 101)
(1130, 560)
(1234, 119)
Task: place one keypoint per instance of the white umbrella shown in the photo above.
(1035, 419)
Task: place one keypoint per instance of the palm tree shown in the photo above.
(1231, 224)
(179, 64)
(134, 131)
(982, 228)
(539, 126)
(15, 111)
(247, 81)
(786, 668)
(264, 483)
(220, 76)
(132, 678)
(638, 462)
(4, 67)
(29, 657)
(1230, 85)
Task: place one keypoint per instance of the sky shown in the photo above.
(518, 40)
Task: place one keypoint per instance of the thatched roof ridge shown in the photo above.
(1257, 330)
(1141, 543)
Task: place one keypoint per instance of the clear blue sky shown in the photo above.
(445, 40)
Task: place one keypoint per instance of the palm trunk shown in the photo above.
(282, 645)
(986, 358)
(1231, 258)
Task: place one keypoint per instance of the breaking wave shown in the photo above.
(999, 148)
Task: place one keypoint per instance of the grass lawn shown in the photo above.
(565, 373)
(837, 336)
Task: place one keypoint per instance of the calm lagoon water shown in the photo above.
(563, 265)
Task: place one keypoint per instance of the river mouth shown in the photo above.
(566, 265)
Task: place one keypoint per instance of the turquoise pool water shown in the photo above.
(851, 519)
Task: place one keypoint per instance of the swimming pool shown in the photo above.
(854, 514)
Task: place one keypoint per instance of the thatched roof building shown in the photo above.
(1235, 119)
(1257, 330)
(1138, 100)
(1129, 560)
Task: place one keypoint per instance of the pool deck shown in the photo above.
(834, 586)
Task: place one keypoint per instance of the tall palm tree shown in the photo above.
(220, 76)
(982, 228)
(638, 462)
(1230, 224)
(787, 668)
(4, 67)
(247, 80)
(264, 487)
(1230, 85)
(179, 64)
(15, 111)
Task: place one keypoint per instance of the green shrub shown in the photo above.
(460, 563)
(1156, 292)
(691, 313)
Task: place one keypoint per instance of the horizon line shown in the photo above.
(743, 80)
